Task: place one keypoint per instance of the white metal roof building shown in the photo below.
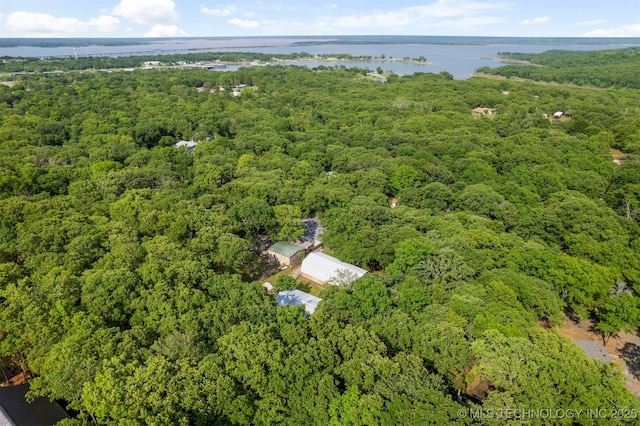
(322, 268)
(297, 297)
(190, 145)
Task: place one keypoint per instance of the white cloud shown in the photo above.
(424, 16)
(591, 23)
(44, 24)
(469, 22)
(146, 11)
(540, 20)
(219, 12)
(622, 31)
(243, 23)
(160, 30)
(104, 23)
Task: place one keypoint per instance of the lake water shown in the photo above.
(459, 59)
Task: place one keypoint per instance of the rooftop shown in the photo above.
(296, 298)
(15, 410)
(188, 144)
(312, 230)
(285, 249)
(323, 268)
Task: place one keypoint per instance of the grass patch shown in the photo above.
(307, 286)
(271, 279)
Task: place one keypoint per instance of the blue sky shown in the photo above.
(199, 18)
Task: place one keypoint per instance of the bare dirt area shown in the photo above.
(624, 349)
(618, 156)
(543, 83)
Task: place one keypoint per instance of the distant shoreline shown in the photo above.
(302, 41)
(354, 59)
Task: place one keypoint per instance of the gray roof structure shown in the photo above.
(312, 231)
(16, 411)
(296, 298)
(594, 350)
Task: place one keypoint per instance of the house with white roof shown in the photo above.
(322, 268)
(190, 145)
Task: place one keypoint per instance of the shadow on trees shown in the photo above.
(631, 355)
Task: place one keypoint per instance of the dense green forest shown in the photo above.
(606, 68)
(128, 267)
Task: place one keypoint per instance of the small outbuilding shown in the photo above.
(322, 268)
(190, 145)
(558, 114)
(286, 254)
(296, 298)
(268, 287)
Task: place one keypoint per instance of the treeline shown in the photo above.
(609, 68)
(14, 65)
(77, 41)
(127, 266)
(469, 40)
